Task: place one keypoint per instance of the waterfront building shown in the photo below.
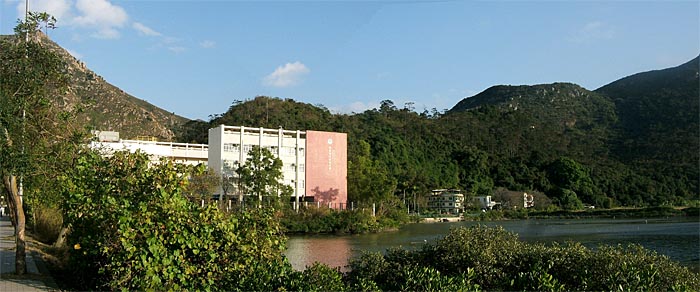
(486, 203)
(446, 201)
(314, 162)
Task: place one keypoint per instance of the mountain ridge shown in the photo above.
(106, 107)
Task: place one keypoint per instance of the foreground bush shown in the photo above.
(133, 229)
(491, 258)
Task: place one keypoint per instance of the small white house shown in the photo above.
(485, 202)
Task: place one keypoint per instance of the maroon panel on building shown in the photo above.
(327, 167)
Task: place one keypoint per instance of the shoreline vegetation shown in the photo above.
(133, 227)
(328, 221)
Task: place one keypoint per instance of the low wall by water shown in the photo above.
(441, 219)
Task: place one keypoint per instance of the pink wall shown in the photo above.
(327, 167)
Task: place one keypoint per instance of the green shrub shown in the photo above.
(47, 223)
(133, 229)
(325, 220)
(317, 277)
(491, 258)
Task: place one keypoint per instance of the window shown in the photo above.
(230, 166)
(289, 167)
(289, 151)
(247, 148)
(230, 147)
(301, 151)
(301, 167)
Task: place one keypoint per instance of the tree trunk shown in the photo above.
(16, 208)
(61, 240)
(11, 206)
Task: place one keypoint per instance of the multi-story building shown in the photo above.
(446, 201)
(314, 162)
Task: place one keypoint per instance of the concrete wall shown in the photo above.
(327, 166)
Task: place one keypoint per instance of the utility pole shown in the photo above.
(26, 15)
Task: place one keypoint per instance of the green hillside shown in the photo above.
(659, 116)
(555, 139)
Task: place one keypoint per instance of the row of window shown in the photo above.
(291, 183)
(231, 165)
(287, 151)
(290, 167)
(445, 205)
(458, 199)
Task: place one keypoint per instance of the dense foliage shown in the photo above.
(488, 258)
(573, 145)
(388, 214)
(134, 229)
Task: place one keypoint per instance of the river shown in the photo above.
(677, 238)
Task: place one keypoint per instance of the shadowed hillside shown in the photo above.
(659, 116)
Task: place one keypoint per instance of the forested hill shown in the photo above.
(659, 113)
(106, 107)
(554, 119)
(555, 139)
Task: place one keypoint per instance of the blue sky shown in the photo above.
(195, 58)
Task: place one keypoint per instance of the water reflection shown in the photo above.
(305, 251)
(677, 238)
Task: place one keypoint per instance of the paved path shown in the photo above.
(9, 282)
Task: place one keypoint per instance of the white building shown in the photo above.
(314, 162)
(485, 202)
(184, 153)
(446, 201)
(230, 147)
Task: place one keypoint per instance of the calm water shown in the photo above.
(677, 238)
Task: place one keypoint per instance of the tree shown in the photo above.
(368, 181)
(202, 183)
(474, 171)
(566, 173)
(261, 175)
(37, 140)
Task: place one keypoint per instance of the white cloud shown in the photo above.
(207, 44)
(354, 107)
(102, 15)
(177, 49)
(106, 33)
(288, 75)
(593, 31)
(57, 8)
(383, 75)
(144, 30)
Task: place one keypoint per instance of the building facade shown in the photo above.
(446, 201)
(108, 142)
(314, 162)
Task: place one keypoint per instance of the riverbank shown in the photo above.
(675, 237)
(615, 213)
